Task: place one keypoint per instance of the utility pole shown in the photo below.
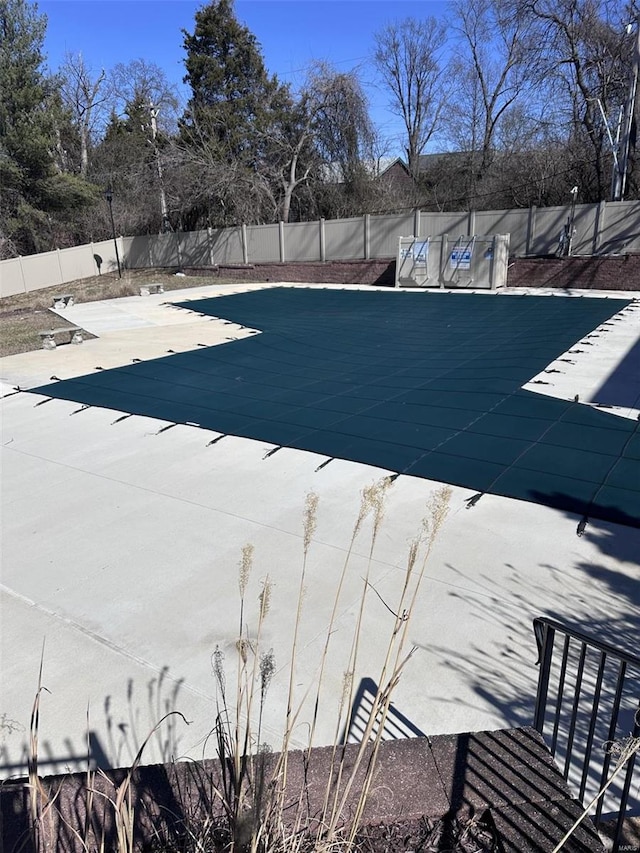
(166, 225)
(629, 111)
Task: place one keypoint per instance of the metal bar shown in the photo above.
(545, 635)
(619, 654)
(613, 725)
(629, 114)
(623, 803)
(560, 695)
(576, 690)
(592, 723)
(574, 710)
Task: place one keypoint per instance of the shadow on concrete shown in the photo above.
(622, 386)
(114, 742)
(396, 724)
(597, 600)
(623, 545)
(83, 779)
(91, 753)
(125, 736)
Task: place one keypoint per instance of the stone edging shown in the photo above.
(506, 776)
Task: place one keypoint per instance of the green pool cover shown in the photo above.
(420, 384)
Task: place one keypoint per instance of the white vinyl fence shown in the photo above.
(599, 228)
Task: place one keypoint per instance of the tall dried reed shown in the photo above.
(255, 792)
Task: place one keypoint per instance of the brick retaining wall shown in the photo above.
(601, 273)
(379, 272)
(584, 273)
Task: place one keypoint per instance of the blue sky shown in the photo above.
(292, 33)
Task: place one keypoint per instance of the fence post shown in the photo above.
(367, 236)
(122, 253)
(210, 242)
(531, 229)
(416, 222)
(472, 223)
(545, 652)
(178, 252)
(281, 240)
(60, 266)
(24, 281)
(443, 258)
(598, 225)
(323, 244)
(245, 244)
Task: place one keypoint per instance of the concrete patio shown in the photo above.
(121, 544)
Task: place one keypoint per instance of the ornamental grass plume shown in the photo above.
(261, 813)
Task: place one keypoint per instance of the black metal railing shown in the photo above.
(588, 701)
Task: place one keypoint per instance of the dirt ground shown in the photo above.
(24, 315)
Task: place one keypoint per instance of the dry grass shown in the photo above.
(264, 811)
(256, 793)
(19, 329)
(22, 316)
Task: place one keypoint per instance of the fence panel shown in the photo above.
(105, 250)
(137, 252)
(163, 250)
(302, 241)
(263, 243)
(226, 246)
(513, 222)
(434, 224)
(549, 222)
(385, 232)
(77, 262)
(194, 248)
(584, 223)
(344, 239)
(11, 280)
(620, 229)
(42, 270)
(605, 228)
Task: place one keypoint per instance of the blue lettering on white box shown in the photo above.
(460, 259)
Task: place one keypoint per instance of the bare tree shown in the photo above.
(325, 131)
(293, 139)
(84, 94)
(144, 81)
(500, 64)
(204, 188)
(140, 88)
(408, 56)
(589, 53)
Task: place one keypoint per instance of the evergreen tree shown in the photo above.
(234, 101)
(37, 200)
(222, 176)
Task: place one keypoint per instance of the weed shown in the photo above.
(263, 809)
